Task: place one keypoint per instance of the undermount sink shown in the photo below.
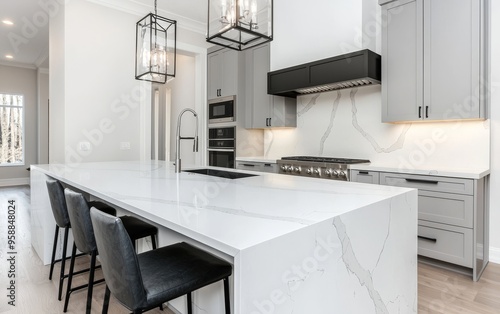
(221, 173)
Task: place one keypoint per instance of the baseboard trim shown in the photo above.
(495, 255)
(14, 182)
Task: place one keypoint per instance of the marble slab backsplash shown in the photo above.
(347, 123)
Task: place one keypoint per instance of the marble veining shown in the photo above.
(309, 105)
(352, 264)
(398, 144)
(330, 125)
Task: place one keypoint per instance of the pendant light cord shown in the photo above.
(156, 13)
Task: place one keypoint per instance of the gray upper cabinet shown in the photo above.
(433, 60)
(263, 110)
(222, 72)
(402, 61)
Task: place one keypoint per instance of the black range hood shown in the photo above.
(353, 69)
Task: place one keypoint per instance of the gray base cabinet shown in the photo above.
(435, 59)
(257, 166)
(362, 176)
(453, 218)
(263, 110)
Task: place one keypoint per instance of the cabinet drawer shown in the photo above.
(429, 183)
(446, 243)
(257, 166)
(452, 209)
(364, 176)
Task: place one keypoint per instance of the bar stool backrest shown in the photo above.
(118, 259)
(79, 216)
(58, 203)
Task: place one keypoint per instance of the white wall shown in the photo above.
(15, 80)
(495, 133)
(103, 100)
(43, 115)
(305, 32)
(57, 88)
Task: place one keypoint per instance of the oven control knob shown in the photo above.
(297, 169)
(309, 170)
(284, 168)
(335, 173)
(343, 175)
(317, 171)
(328, 172)
(290, 169)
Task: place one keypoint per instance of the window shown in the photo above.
(11, 129)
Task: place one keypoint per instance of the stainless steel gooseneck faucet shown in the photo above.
(179, 138)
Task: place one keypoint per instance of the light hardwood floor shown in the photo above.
(440, 291)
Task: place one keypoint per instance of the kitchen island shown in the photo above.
(296, 244)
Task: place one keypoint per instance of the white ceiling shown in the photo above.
(28, 39)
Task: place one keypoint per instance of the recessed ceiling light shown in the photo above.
(7, 22)
(9, 56)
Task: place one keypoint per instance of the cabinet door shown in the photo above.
(371, 177)
(260, 63)
(214, 70)
(229, 72)
(451, 59)
(402, 61)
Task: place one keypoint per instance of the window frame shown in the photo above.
(23, 119)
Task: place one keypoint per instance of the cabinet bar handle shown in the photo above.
(426, 111)
(248, 165)
(428, 239)
(421, 181)
(363, 172)
(270, 121)
(420, 111)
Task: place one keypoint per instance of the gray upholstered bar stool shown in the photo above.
(156, 276)
(60, 212)
(83, 234)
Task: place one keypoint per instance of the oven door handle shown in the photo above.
(221, 149)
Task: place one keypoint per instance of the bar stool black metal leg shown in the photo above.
(70, 278)
(189, 303)
(105, 305)
(54, 247)
(153, 241)
(91, 281)
(226, 295)
(63, 263)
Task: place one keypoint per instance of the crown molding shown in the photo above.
(44, 70)
(18, 65)
(139, 9)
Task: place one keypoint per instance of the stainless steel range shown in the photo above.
(318, 167)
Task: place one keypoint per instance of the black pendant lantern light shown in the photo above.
(155, 53)
(240, 24)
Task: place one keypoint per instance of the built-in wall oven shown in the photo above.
(222, 110)
(221, 147)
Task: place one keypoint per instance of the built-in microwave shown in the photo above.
(222, 109)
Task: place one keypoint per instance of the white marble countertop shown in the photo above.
(466, 173)
(258, 159)
(229, 215)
